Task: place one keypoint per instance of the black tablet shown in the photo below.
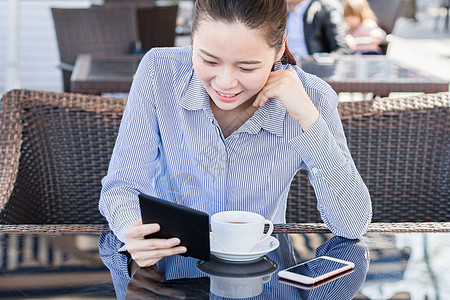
(189, 225)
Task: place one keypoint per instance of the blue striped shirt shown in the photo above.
(170, 146)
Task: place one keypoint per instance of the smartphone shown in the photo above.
(323, 58)
(316, 270)
(315, 285)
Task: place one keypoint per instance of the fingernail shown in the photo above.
(182, 249)
(175, 241)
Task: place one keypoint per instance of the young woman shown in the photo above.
(225, 124)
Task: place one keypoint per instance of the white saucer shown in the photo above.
(260, 249)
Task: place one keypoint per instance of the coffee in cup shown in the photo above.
(239, 231)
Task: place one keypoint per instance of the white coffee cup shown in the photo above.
(239, 231)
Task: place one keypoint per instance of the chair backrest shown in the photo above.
(58, 147)
(94, 30)
(156, 26)
(128, 2)
(401, 149)
(387, 12)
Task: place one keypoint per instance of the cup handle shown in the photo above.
(269, 231)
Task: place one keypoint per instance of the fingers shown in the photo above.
(146, 257)
(261, 99)
(139, 231)
(280, 84)
(146, 252)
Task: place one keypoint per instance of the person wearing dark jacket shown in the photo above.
(316, 26)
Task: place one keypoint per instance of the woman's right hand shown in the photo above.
(147, 252)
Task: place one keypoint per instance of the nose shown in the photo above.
(226, 79)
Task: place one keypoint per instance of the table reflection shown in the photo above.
(55, 262)
(238, 280)
(189, 278)
(41, 265)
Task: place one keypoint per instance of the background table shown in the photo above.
(103, 74)
(375, 74)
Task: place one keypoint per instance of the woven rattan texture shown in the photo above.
(401, 149)
(55, 148)
(59, 146)
(278, 228)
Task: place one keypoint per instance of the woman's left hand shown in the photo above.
(287, 86)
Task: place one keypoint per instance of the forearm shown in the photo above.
(343, 199)
(119, 205)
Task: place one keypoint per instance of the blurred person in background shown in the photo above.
(364, 36)
(316, 26)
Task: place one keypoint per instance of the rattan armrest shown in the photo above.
(55, 228)
(374, 227)
(10, 140)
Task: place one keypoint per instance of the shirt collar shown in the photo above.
(270, 117)
(196, 97)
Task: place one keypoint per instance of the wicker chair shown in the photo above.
(94, 30)
(55, 149)
(156, 26)
(156, 22)
(401, 149)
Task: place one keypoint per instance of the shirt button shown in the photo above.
(314, 171)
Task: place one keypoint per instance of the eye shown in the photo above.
(246, 70)
(208, 62)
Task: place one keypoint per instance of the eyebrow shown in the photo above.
(247, 62)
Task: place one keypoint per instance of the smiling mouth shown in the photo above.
(227, 95)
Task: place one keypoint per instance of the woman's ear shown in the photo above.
(282, 49)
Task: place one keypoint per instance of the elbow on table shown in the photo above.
(354, 226)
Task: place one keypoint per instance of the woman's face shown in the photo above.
(233, 62)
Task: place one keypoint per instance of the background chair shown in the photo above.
(387, 13)
(401, 149)
(156, 26)
(55, 149)
(128, 2)
(94, 30)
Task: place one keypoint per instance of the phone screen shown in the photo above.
(308, 269)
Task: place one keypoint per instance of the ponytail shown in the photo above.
(288, 57)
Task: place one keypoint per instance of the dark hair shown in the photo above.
(267, 15)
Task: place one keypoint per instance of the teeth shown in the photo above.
(228, 96)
